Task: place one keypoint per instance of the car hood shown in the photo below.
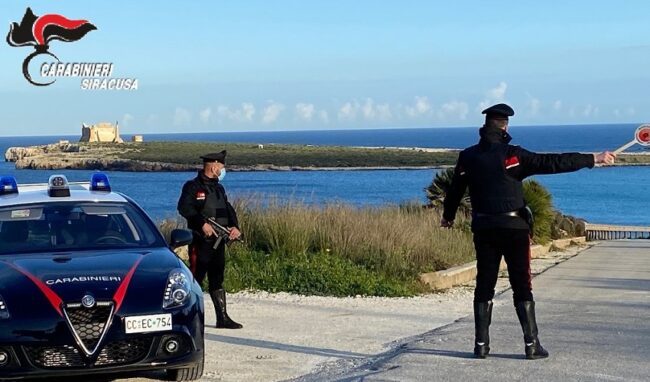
(68, 277)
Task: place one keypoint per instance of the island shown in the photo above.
(184, 156)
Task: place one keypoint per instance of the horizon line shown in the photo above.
(327, 130)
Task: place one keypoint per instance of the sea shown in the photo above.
(609, 195)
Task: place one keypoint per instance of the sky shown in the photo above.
(222, 66)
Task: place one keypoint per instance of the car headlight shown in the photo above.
(177, 291)
(4, 311)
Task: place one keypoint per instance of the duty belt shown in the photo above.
(511, 213)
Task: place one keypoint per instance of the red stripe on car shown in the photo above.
(52, 297)
(120, 293)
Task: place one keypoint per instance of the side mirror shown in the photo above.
(180, 237)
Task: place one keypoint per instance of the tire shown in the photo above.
(191, 373)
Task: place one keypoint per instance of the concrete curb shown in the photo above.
(465, 273)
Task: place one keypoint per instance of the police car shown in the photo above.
(89, 285)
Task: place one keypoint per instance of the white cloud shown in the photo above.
(422, 106)
(498, 93)
(534, 105)
(305, 111)
(271, 113)
(557, 105)
(182, 117)
(308, 112)
(205, 114)
(453, 110)
(369, 111)
(376, 112)
(590, 111)
(494, 96)
(127, 119)
(383, 112)
(245, 113)
(630, 111)
(348, 112)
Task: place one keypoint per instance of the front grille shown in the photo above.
(89, 324)
(55, 357)
(122, 352)
(113, 354)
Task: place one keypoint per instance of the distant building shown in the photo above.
(101, 132)
(137, 138)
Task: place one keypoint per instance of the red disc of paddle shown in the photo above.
(643, 135)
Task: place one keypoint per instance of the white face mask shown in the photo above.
(222, 174)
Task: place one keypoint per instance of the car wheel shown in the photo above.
(191, 373)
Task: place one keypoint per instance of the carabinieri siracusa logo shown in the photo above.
(39, 31)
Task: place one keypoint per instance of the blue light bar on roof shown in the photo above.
(8, 185)
(99, 182)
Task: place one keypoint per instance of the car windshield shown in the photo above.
(75, 226)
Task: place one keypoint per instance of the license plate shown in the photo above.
(147, 324)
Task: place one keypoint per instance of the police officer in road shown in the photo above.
(202, 198)
(493, 170)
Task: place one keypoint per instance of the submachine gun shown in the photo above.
(223, 234)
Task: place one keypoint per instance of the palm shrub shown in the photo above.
(439, 187)
(537, 198)
(540, 202)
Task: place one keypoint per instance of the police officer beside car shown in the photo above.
(202, 198)
(493, 170)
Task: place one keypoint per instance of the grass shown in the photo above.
(282, 155)
(286, 155)
(340, 250)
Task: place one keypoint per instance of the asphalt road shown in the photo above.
(593, 312)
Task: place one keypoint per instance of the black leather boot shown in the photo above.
(526, 314)
(482, 320)
(219, 301)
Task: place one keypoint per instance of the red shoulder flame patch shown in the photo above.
(511, 162)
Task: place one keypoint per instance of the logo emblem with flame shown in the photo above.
(38, 31)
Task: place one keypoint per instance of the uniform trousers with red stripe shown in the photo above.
(512, 244)
(205, 260)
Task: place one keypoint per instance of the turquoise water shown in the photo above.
(601, 195)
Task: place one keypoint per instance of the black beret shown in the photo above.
(499, 110)
(215, 157)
